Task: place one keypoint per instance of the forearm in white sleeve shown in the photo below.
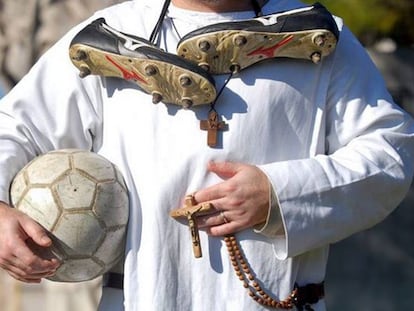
(367, 167)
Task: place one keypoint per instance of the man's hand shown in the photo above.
(241, 201)
(17, 233)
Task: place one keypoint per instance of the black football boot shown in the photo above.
(99, 49)
(306, 33)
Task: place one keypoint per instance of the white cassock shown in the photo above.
(337, 151)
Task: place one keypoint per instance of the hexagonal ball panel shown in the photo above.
(112, 204)
(18, 187)
(75, 191)
(39, 204)
(79, 233)
(120, 177)
(48, 167)
(78, 270)
(94, 165)
(112, 247)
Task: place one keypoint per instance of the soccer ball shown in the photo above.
(81, 199)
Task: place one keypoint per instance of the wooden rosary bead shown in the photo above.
(246, 276)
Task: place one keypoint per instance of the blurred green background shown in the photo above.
(372, 20)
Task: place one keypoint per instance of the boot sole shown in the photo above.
(233, 50)
(166, 82)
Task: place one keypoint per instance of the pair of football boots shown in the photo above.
(186, 79)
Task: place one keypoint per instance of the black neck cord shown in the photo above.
(158, 25)
(257, 9)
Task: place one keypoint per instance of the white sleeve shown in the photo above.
(50, 108)
(272, 227)
(367, 166)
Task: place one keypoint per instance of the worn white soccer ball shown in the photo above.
(81, 199)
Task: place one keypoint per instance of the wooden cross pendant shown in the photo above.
(212, 125)
(190, 211)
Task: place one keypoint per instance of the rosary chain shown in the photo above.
(246, 276)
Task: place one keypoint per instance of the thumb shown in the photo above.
(36, 232)
(224, 169)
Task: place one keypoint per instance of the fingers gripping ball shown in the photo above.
(81, 199)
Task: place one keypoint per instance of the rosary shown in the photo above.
(190, 211)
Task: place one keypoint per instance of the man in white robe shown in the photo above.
(312, 154)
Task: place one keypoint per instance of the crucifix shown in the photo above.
(212, 125)
(190, 211)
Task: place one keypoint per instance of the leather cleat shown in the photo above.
(307, 33)
(101, 50)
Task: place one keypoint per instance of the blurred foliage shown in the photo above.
(371, 20)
